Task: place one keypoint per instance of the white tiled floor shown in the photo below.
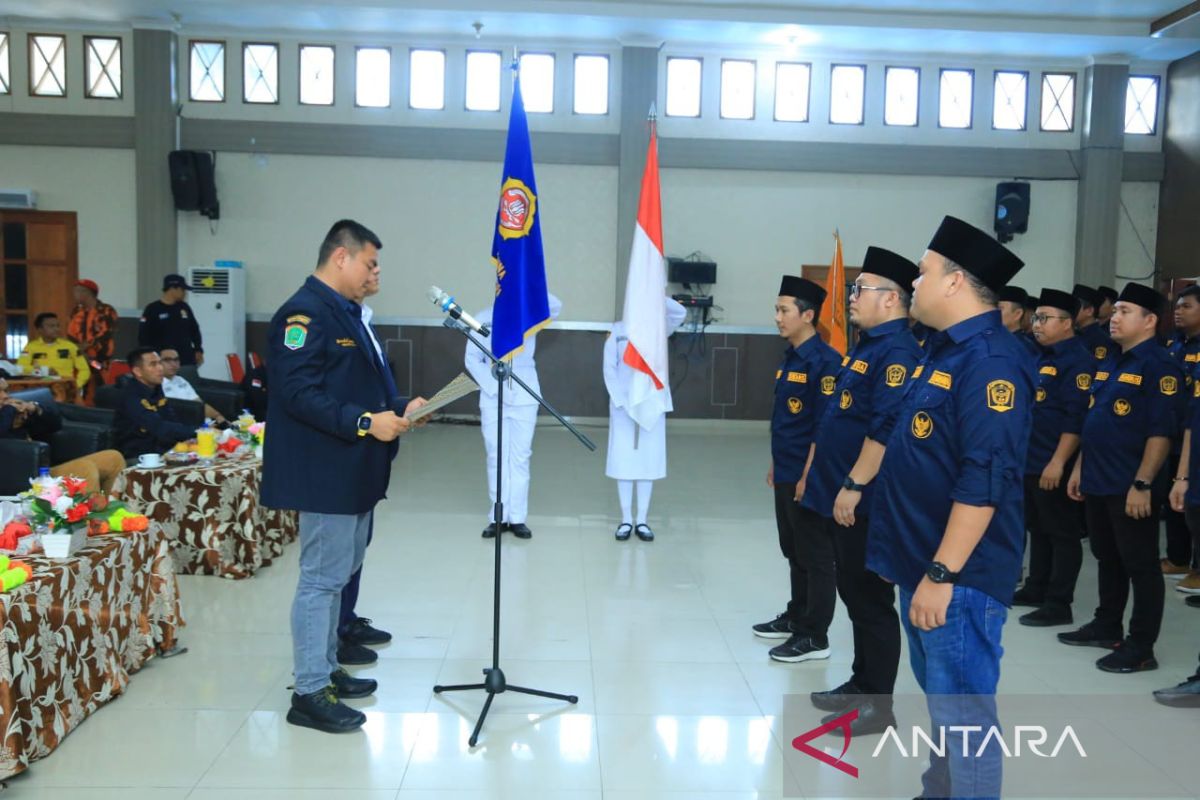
(676, 698)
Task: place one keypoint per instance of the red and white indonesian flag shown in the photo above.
(645, 315)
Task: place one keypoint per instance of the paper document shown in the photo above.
(455, 389)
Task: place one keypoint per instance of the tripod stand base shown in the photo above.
(494, 683)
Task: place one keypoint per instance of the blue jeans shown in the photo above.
(958, 667)
(331, 549)
(347, 615)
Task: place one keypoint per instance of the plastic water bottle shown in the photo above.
(43, 472)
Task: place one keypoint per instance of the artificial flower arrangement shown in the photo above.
(62, 505)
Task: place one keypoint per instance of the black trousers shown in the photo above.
(1179, 538)
(1055, 549)
(809, 552)
(1192, 516)
(1126, 551)
(871, 603)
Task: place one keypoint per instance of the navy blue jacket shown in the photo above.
(324, 374)
(869, 390)
(1064, 387)
(1096, 339)
(960, 436)
(145, 423)
(803, 385)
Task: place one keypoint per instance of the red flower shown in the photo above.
(76, 513)
(75, 486)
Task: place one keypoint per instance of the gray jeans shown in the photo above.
(331, 549)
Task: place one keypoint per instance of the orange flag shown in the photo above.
(833, 312)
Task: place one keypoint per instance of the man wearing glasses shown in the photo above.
(1064, 382)
(177, 387)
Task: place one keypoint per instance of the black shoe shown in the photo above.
(1047, 616)
(520, 530)
(623, 532)
(362, 632)
(1185, 695)
(349, 687)
(1193, 601)
(1025, 597)
(871, 718)
(490, 531)
(1093, 634)
(778, 628)
(800, 648)
(1128, 657)
(836, 699)
(355, 655)
(643, 532)
(322, 711)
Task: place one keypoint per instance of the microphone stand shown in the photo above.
(494, 682)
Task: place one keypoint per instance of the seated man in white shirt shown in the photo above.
(176, 387)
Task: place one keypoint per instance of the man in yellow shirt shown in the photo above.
(51, 350)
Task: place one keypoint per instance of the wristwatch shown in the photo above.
(852, 486)
(1141, 485)
(364, 423)
(940, 573)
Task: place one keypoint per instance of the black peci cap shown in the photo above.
(802, 289)
(887, 264)
(1013, 294)
(976, 252)
(1143, 296)
(1087, 295)
(1107, 293)
(1056, 298)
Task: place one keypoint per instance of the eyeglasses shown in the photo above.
(1042, 318)
(857, 288)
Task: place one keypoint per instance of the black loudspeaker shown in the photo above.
(1012, 209)
(206, 166)
(193, 182)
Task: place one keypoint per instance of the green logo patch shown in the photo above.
(294, 336)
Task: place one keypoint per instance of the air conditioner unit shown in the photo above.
(218, 298)
(18, 198)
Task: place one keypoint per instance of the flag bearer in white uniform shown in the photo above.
(635, 454)
(520, 419)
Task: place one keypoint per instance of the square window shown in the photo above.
(207, 72)
(427, 79)
(260, 73)
(847, 83)
(483, 80)
(791, 91)
(955, 95)
(737, 89)
(317, 74)
(47, 65)
(537, 82)
(1009, 97)
(683, 87)
(373, 77)
(1141, 105)
(102, 67)
(591, 84)
(901, 96)
(1058, 101)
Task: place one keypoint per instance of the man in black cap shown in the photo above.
(803, 385)
(950, 532)
(170, 323)
(840, 487)
(1093, 335)
(1126, 439)
(1012, 302)
(1064, 383)
(1108, 298)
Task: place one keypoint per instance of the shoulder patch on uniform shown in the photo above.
(941, 379)
(294, 336)
(1168, 384)
(1130, 378)
(1083, 381)
(301, 318)
(1000, 395)
(827, 384)
(895, 374)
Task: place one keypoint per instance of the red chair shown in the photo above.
(236, 372)
(255, 361)
(116, 368)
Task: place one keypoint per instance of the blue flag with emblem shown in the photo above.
(522, 305)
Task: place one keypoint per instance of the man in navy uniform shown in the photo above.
(145, 422)
(170, 323)
(1064, 383)
(1092, 333)
(840, 486)
(1180, 562)
(1126, 440)
(948, 526)
(334, 421)
(1108, 298)
(803, 385)
(1012, 302)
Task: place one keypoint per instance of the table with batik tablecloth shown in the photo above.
(72, 635)
(211, 514)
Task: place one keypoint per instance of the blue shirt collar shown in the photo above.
(810, 344)
(885, 329)
(961, 331)
(1058, 348)
(1143, 348)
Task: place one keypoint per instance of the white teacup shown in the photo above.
(150, 460)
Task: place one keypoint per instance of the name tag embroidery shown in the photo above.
(859, 366)
(1048, 370)
(797, 377)
(1130, 378)
(1102, 375)
(347, 342)
(940, 379)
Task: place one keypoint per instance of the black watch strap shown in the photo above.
(940, 573)
(852, 486)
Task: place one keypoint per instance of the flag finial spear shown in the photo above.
(652, 116)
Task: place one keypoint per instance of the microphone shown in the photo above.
(446, 303)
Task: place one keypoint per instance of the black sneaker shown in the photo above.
(1047, 616)
(362, 632)
(873, 717)
(1184, 695)
(1093, 634)
(1026, 597)
(800, 648)
(347, 686)
(519, 530)
(490, 531)
(355, 655)
(1193, 601)
(322, 711)
(778, 628)
(1127, 657)
(836, 699)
